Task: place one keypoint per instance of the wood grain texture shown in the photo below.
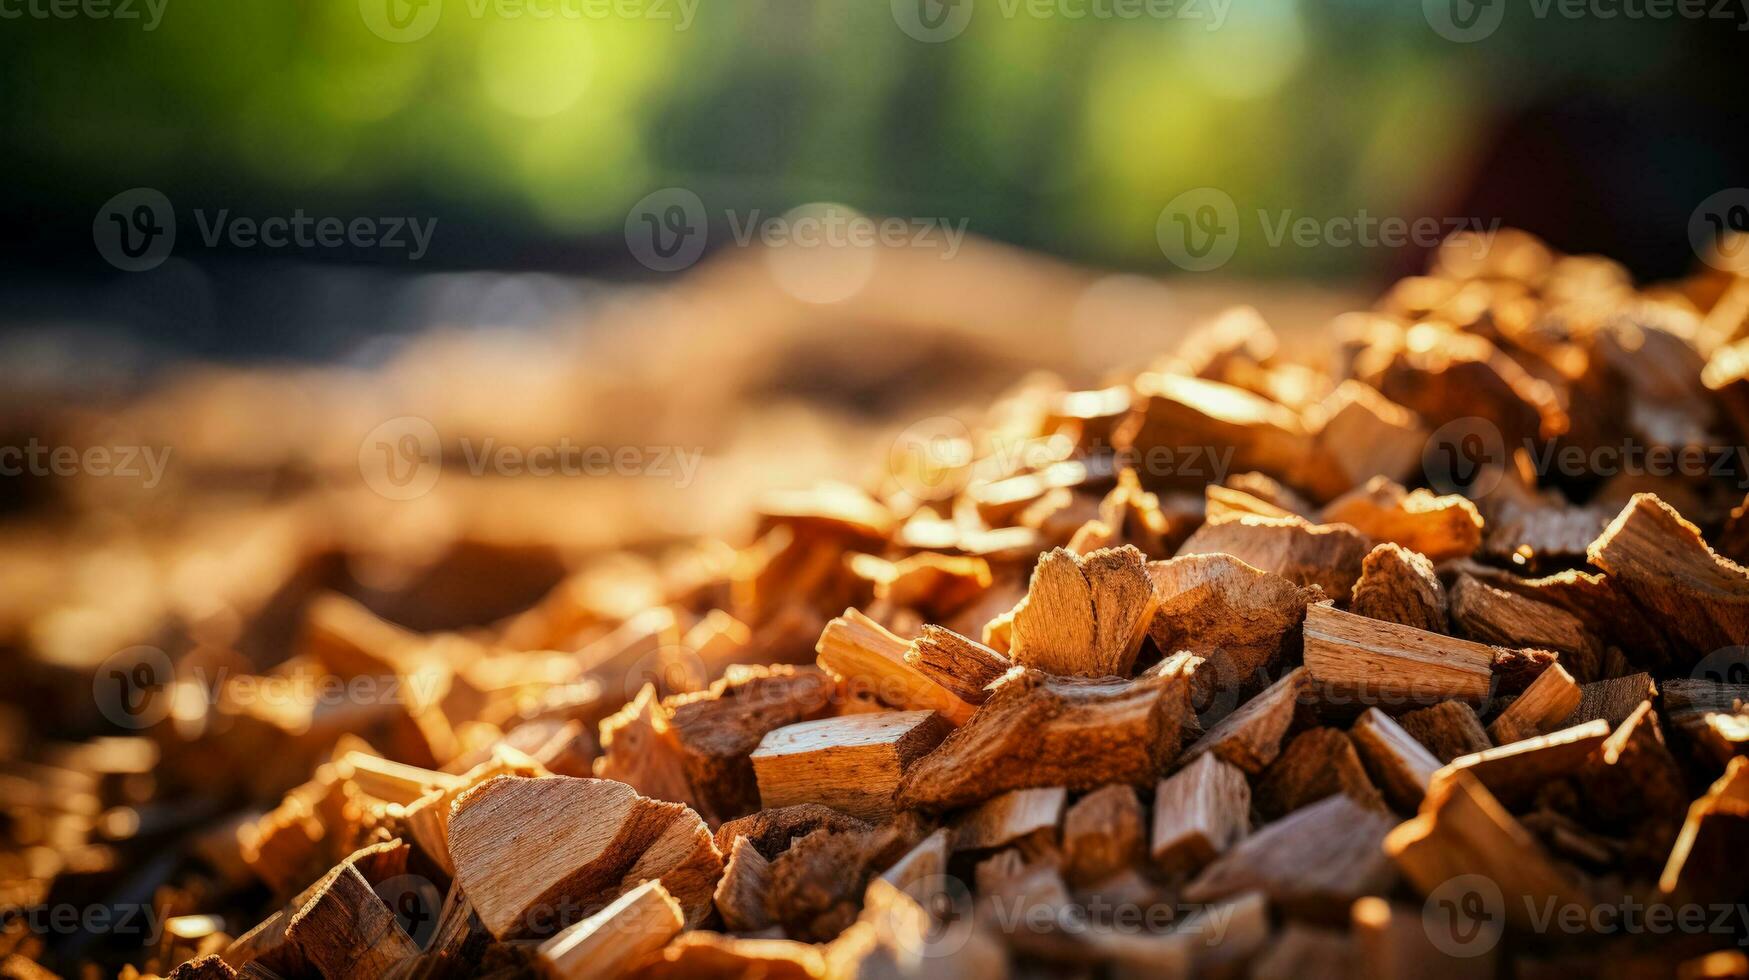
(852, 763)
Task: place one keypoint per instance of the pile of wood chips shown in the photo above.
(1428, 664)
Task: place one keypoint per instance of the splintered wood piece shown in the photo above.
(610, 942)
(926, 861)
(1250, 737)
(1007, 818)
(1514, 772)
(428, 817)
(700, 955)
(1399, 586)
(1401, 766)
(1392, 940)
(1490, 615)
(1038, 730)
(1238, 618)
(1547, 702)
(1102, 834)
(852, 763)
(717, 730)
(1356, 661)
(1438, 527)
(740, 896)
(1317, 859)
(1366, 434)
(1660, 560)
(1199, 812)
(1317, 763)
(871, 662)
(345, 930)
(1221, 503)
(639, 748)
(1084, 616)
(1306, 952)
(529, 875)
(1713, 716)
(1596, 599)
(1614, 699)
(1448, 729)
(962, 665)
(1463, 830)
(1326, 555)
(268, 942)
(1706, 863)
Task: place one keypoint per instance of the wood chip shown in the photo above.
(1514, 772)
(963, 666)
(1084, 616)
(345, 930)
(1401, 766)
(1102, 834)
(1250, 737)
(853, 763)
(1326, 555)
(612, 941)
(1358, 662)
(740, 895)
(1448, 729)
(1007, 818)
(1318, 762)
(1240, 619)
(1437, 527)
(1037, 730)
(529, 876)
(1659, 559)
(1199, 812)
(1399, 586)
(1494, 616)
(871, 662)
(1548, 701)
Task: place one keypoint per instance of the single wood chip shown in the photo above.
(1250, 737)
(740, 895)
(870, 661)
(1326, 555)
(1514, 772)
(1495, 616)
(1102, 834)
(1448, 729)
(1544, 705)
(1357, 662)
(1318, 762)
(1659, 559)
(1399, 586)
(1706, 863)
(1039, 730)
(1084, 616)
(1240, 619)
(345, 930)
(1401, 766)
(610, 942)
(1010, 816)
(962, 665)
(717, 730)
(1439, 527)
(851, 763)
(1199, 812)
(529, 875)
(1614, 699)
